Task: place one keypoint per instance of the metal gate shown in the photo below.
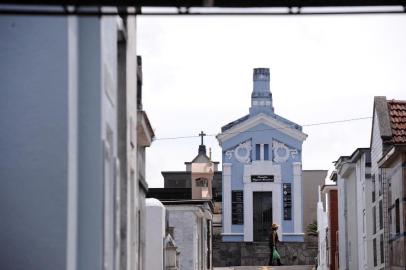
(262, 206)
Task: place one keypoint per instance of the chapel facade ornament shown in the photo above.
(281, 152)
(242, 152)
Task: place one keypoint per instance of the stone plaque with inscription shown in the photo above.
(262, 178)
(287, 201)
(237, 207)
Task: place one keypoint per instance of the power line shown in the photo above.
(269, 129)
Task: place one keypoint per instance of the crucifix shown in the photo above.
(202, 134)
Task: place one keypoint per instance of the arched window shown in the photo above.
(202, 182)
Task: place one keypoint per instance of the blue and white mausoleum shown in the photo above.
(262, 171)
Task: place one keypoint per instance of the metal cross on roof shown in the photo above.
(202, 134)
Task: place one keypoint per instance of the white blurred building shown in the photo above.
(69, 164)
(187, 197)
(155, 234)
(353, 181)
(388, 148)
(327, 226)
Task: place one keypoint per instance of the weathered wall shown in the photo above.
(185, 235)
(396, 174)
(257, 253)
(311, 180)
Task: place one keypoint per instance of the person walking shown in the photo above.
(273, 240)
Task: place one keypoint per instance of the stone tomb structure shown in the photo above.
(189, 202)
(262, 183)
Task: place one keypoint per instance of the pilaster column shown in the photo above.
(261, 156)
(248, 214)
(297, 197)
(226, 198)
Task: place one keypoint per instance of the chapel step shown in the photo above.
(226, 254)
(288, 267)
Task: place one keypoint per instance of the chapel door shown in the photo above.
(262, 206)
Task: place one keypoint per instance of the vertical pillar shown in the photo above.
(226, 198)
(248, 214)
(262, 152)
(297, 197)
(72, 184)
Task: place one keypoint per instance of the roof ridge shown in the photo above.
(396, 101)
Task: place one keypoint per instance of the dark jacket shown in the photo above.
(273, 238)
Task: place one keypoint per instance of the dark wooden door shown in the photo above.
(262, 206)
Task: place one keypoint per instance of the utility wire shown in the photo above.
(268, 129)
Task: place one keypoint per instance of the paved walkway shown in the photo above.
(288, 267)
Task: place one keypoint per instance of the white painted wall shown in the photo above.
(368, 221)
(56, 92)
(322, 225)
(226, 198)
(133, 190)
(342, 213)
(360, 171)
(60, 84)
(353, 209)
(155, 234)
(347, 175)
(352, 220)
(37, 146)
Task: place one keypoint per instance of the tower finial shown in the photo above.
(202, 147)
(202, 134)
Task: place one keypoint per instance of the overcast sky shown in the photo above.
(198, 76)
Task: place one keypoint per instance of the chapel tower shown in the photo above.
(261, 97)
(202, 170)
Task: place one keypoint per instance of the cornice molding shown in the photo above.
(261, 119)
